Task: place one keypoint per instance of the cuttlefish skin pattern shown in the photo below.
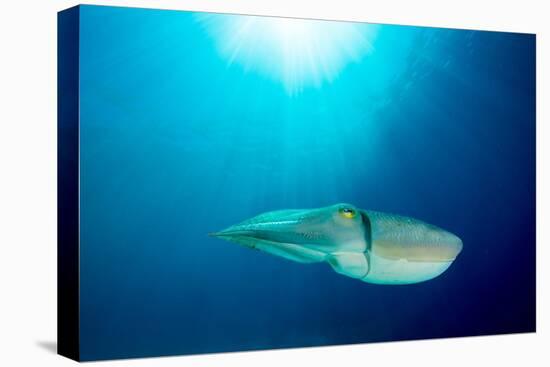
(371, 246)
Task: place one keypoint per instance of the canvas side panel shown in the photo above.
(68, 183)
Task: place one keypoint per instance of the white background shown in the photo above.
(28, 184)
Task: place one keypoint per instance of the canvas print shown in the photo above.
(237, 182)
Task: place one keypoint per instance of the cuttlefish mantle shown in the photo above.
(370, 246)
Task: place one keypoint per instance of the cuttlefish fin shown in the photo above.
(351, 264)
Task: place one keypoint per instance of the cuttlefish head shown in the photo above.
(340, 227)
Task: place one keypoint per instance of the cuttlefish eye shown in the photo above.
(347, 212)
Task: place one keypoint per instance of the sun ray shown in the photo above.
(300, 53)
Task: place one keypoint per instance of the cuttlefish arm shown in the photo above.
(371, 246)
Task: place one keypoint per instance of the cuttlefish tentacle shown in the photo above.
(371, 246)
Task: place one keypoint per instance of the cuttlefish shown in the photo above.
(367, 245)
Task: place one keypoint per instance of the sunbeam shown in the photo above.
(299, 53)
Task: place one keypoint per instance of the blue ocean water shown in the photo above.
(181, 136)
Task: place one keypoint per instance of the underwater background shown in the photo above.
(191, 122)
